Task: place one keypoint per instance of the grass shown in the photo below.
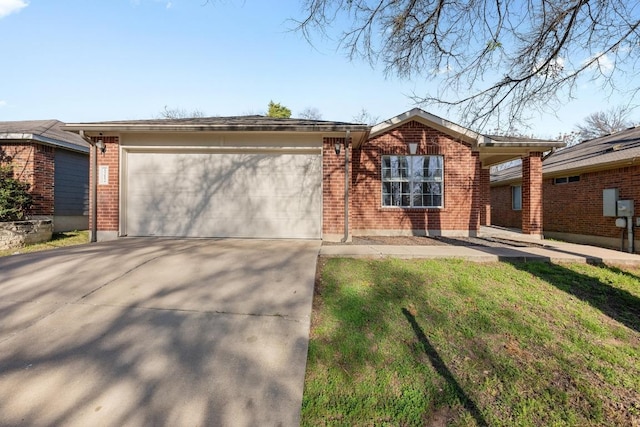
(68, 238)
(431, 342)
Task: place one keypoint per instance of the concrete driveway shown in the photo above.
(156, 332)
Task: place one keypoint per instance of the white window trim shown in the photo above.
(382, 181)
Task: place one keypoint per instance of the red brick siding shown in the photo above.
(532, 194)
(576, 207)
(34, 164)
(333, 187)
(502, 212)
(485, 196)
(461, 182)
(43, 188)
(108, 198)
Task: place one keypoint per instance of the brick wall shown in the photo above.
(485, 196)
(333, 187)
(532, 212)
(462, 202)
(574, 207)
(34, 164)
(43, 187)
(502, 212)
(108, 198)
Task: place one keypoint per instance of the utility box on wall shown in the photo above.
(610, 202)
(625, 208)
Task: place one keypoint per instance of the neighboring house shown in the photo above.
(261, 177)
(55, 163)
(573, 182)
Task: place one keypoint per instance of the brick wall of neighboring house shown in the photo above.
(502, 212)
(108, 199)
(574, 207)
(34, 164)
(43, 187)
(333, 188)
(461, 211)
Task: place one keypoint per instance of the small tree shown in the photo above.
(311, 113)
(604, 122)
(15, 199)
(365, 117)
(278, 111)
(179, 113)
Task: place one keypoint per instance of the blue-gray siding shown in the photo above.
(71, 191)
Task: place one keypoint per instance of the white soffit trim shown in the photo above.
(44, 140)
(431, 120)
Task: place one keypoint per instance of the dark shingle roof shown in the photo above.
(609, 150)
(48, 132)
(235, 123)
(614, 148)
(514, 173)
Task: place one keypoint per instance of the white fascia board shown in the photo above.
(430, 120)
(43, 140)
(16, 135)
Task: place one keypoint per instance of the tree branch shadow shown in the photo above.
(439, 365)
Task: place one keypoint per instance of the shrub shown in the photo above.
(15, 199)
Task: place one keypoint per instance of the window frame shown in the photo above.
(412, 180)
(561, 180)
(516, 206)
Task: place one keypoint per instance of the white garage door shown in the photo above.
(264, 195)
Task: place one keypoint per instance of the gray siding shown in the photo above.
(71, 191)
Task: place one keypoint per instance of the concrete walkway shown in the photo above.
(540, 250)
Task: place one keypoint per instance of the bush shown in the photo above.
(15, 199)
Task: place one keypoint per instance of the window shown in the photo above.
(516, 197)
(412, 181)
(566, 179)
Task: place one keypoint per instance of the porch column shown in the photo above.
(485, 196)
(532, 194)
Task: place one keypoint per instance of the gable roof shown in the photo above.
(606, 152)
(47, 132)
(492, 149)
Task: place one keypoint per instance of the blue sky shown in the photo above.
(97, 60)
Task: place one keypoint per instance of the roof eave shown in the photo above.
(430, 120)
(44, 140)
(106, 127)
(533, 145)
(593, 168)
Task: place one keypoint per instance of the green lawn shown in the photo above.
(432, 342)
(68, 238)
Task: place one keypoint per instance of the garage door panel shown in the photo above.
(223, 195)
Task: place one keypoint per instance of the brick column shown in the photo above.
(532, 194)
(108, 218)
(485, 196)
(333, 190)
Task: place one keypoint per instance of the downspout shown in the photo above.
(94, 187)
(346, 187)
(630, 234)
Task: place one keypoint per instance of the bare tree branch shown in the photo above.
(494, 60)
